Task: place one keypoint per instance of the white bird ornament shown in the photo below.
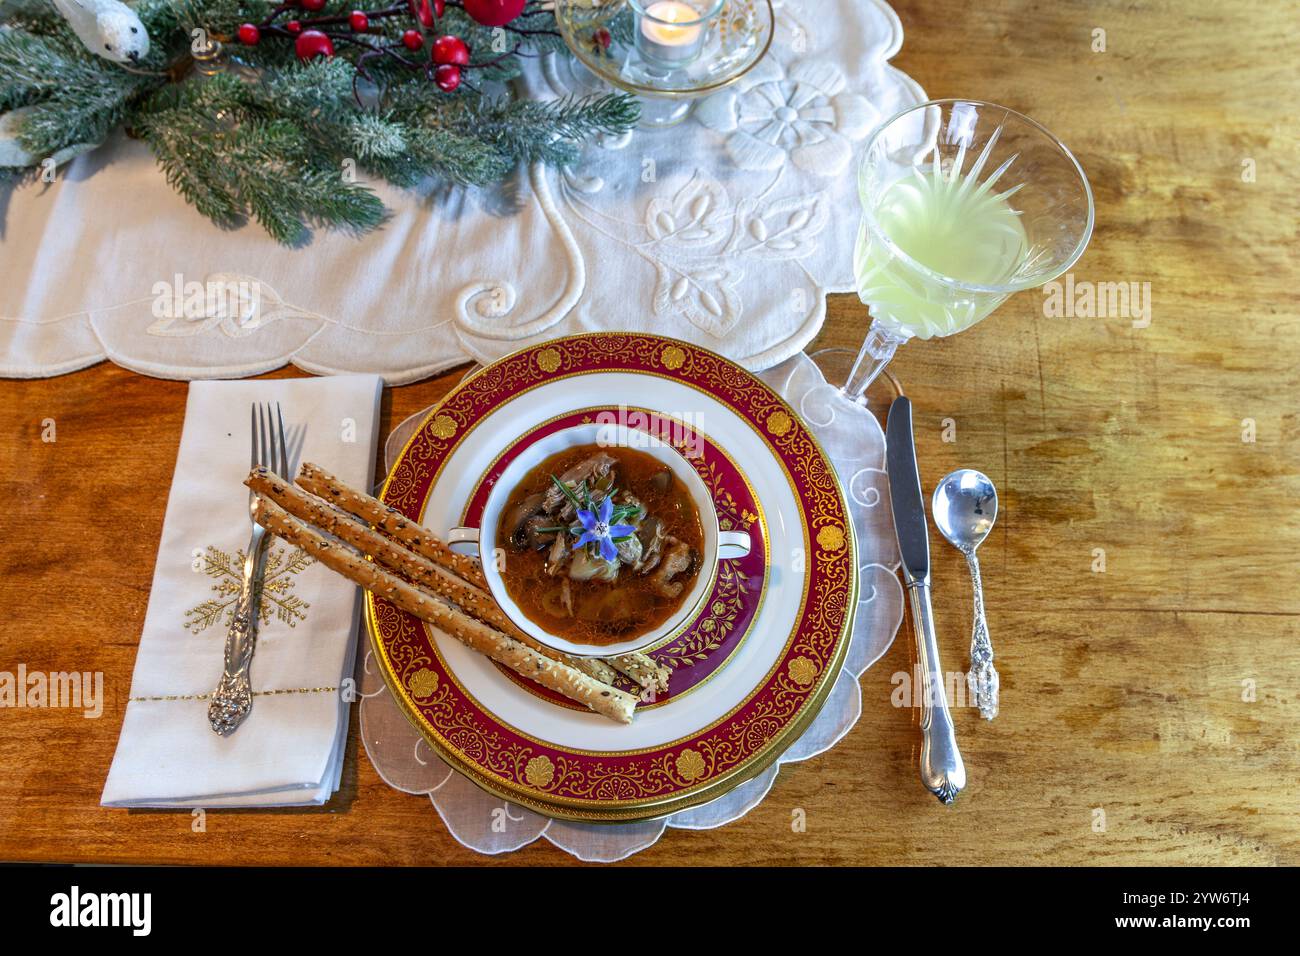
(108, 28)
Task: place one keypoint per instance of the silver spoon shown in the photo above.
(965, 505)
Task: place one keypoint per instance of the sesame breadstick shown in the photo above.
(390, 521)
(446, 585)
(642, 669)
(554, 675)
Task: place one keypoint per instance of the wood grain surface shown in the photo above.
(1149, 710)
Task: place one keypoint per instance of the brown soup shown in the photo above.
(575, 593)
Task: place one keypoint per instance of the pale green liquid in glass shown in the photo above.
(953, 226)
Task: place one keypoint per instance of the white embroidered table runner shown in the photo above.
(726, 231)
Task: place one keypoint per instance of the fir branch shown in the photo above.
(78, 116)
(549, 131)
(270, 139)
(250, 164)
(176, 136)
(403, 151)
(13, 176)
(162, 19)
(76, 97)
(33, 66)
(463, 160)
(33, 16)
(374, 137)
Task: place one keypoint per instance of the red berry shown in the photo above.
(602, 38)
(412, 39)
(311, 44)
(249, 34)
(450, 49)
(293, 26)
(494, 13)
(439, 7)
(423, 11)
(312, 5)
(358, 21)
(447, 77)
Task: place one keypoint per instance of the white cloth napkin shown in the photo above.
(289, 750)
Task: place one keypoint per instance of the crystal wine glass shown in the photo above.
(963, 203)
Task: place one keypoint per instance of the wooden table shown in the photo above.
(1150, 709)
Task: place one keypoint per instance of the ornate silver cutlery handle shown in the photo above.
(942, 769)
(982, 679)
(233, 697)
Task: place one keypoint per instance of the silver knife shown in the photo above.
(942, 770)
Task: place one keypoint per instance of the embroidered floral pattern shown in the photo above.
(233, 304)
(804, 115)
(697, 239)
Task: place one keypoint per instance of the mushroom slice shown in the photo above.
(676, 559)
(651, 536)
(558, 555)
(589, 469)
(534, 534)
(516, 518)
(566, 595)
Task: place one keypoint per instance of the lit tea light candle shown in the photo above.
(671, 32)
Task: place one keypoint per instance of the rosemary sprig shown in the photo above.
(570, 495)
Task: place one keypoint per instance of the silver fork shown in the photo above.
(233, 698)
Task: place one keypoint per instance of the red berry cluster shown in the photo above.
(450, 54)
(448, 57)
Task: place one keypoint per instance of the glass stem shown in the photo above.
(877, 350)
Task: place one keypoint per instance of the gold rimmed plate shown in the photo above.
(573, 764)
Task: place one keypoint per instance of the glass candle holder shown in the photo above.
(671, 33)
(726, 39)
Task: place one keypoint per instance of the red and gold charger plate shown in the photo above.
(787, 628)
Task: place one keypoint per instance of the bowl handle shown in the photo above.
(732, 545)
(463, 540)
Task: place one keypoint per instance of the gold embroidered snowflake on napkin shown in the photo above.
(227, 570)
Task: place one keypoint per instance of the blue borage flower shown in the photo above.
(594, 525)
(597, 529)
